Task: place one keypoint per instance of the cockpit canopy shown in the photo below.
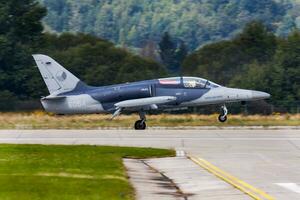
(189, 82)
(194, 82)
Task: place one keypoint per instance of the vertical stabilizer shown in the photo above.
(56, 77)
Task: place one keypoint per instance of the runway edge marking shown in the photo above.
(248, 189)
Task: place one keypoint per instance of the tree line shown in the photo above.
(134, 22)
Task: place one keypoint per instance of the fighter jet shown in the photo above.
(69, 95)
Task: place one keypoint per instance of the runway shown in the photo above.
(266, 159)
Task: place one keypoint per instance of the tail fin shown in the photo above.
(56, 77)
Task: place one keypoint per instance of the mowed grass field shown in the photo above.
(29, 172)
(42, 120)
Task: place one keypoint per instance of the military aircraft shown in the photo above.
(69, 95)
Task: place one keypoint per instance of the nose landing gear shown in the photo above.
(223, 116)
(141, 124)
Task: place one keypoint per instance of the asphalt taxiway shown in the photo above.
(268, 160)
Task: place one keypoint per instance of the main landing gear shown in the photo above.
(223, 116)
(141, 124)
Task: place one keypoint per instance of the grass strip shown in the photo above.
(68, 172)
(42, 120)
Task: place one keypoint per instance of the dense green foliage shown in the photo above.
(133, 22)
(280, 76)
(172, 54)
(254, 59)
(20, 33)
(221, 61)
(30, 172)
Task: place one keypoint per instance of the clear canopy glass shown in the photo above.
(195, 82)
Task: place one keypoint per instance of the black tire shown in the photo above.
(140, 125)
(222, 118)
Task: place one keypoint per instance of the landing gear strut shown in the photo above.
(223, 116)
(141, 124)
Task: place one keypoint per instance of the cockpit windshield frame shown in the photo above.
(199, 83)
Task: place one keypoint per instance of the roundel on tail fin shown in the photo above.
(61, 76)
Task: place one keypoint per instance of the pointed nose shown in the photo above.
(260, 95)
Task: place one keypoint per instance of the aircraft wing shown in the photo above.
(145, 101)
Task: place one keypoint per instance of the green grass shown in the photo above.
(67, 172)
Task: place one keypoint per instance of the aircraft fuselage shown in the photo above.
(103, 99)
(69, 95)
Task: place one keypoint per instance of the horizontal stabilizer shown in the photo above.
(145, 101)
(53, 97)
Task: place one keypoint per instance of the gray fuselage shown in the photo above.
(187, 91)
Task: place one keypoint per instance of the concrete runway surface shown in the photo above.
(266, 159)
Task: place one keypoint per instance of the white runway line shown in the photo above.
(290, 186)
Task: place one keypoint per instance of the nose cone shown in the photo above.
(256, 95)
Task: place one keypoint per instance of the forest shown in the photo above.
(197, 22)
(255, 58)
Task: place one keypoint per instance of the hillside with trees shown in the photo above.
(134, 22)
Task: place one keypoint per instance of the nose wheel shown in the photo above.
(223, 116)
(141, 124)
